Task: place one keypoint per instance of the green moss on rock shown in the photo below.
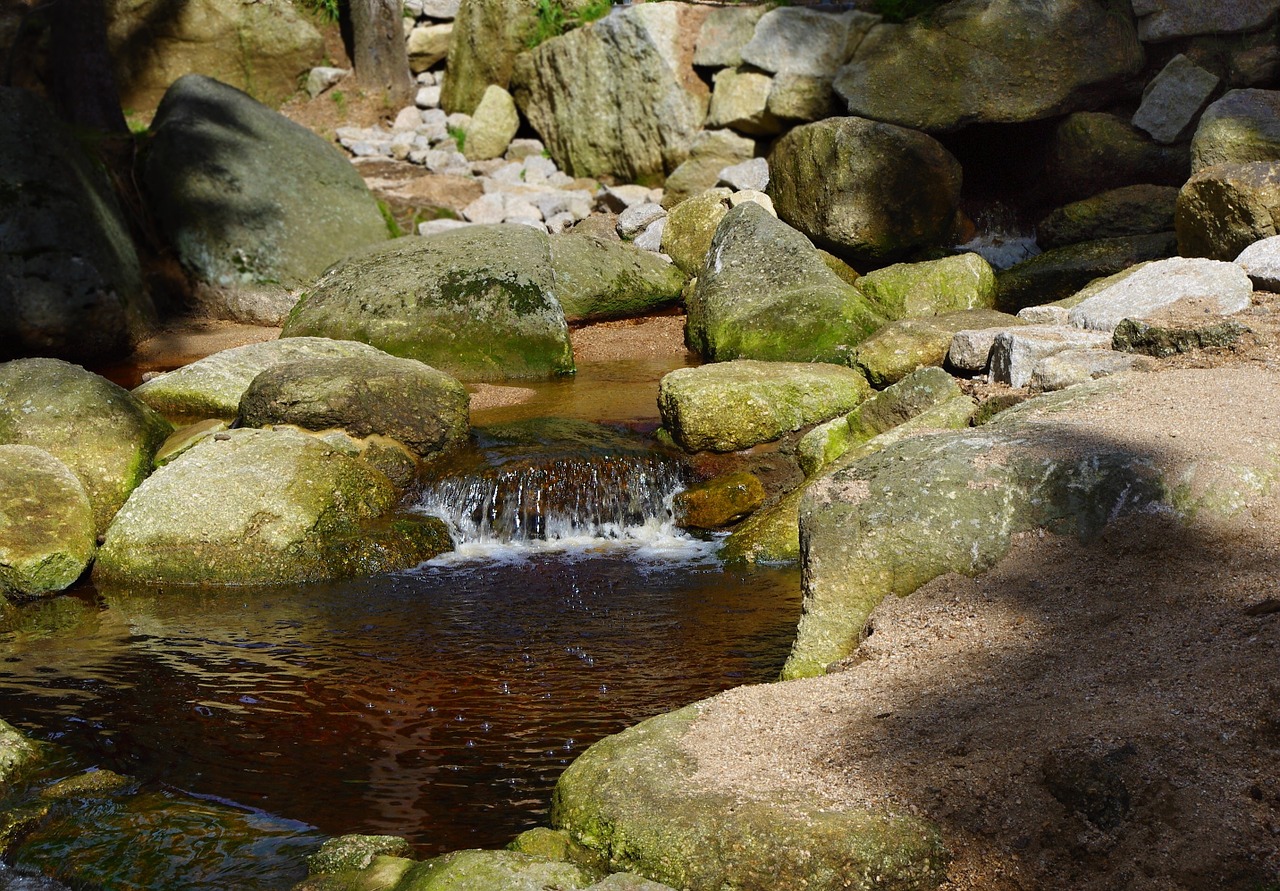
(47, 535)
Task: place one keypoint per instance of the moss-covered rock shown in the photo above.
(597, 278)
(478, 303)
(404, 399)
(931, 288)
(261, 507)
(771, 535)
(718, 502)
(47, 536)
(691, 225)
(764, 292)
(17, 754)
(1130, 210)
(1092, 152)
(735, 405)
(105, 435)
(1241, 127)
(70, 281)
(211, 387)
(631, 797)
(251, 200)
(349, 852)
(901, 347)
(1223, 209)
(865, 190)
(506, 870)
(1063, 271)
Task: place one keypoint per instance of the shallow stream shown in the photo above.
(439, 703)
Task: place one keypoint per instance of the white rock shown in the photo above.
(754, 196)
(516, 209)
(1016, 351)
(426, 79)
(538, 170)
(528, 221)
(427, 97)
(446, 161)
(636, 218)
(557, 223)
(409, 118)
(651, 238)
(577, 202)
(321, 79)
(970, 349)
(1216, 286)
(400, 148)
(524, 148)
(458, 121)
(509, 174)
(1044, 315)
(1261, 262)
(440, 9)
(433, 125)
(1070, 367)
(751, 175)
(797, 40)
(490, 208)
(434, 227)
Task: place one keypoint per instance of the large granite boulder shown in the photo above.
(619, 97)
(864, 190)
(263, 47)
(1202, 286)
(1129, 210)
(1063, 271)
(633, 799)
(992, 61)
(597, 278)
(931, 288)
(404, 399)
(1242, 126)
(1161, 20)
(47, 536)
(70, 282)
(477, 303)
(105, 435)
(764, 292)
(952, 502)
(211, 387)
(263, 507)
(735, 405)
(725, 32)
(487, 36)
(1225, 208)
(1091, 152)
(251, 201)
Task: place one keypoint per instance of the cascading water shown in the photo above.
(530, 488)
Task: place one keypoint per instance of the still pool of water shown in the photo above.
(439, 704)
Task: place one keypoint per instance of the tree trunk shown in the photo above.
(81, 78)
(379, 56)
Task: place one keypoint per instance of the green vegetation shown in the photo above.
(325, 10)
(459, 136)
(901, 10)
(339, 99)
(393, 226)
(553, 19)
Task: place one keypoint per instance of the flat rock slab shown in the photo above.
(1015, 354)
(47, 536)
(1261, 262)
(1219, 287)
(735, 405)
(1070, 367)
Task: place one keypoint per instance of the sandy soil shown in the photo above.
(1091, 715)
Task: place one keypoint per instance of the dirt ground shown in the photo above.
(1096, 715)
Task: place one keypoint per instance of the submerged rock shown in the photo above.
(478, 303)
(631, 797)
(718, 502)
(263, 507)
(764, 292)
(104, 434)
(70, 281)
(735, 405)
(250, 200)
(47, 535)
(883, 191)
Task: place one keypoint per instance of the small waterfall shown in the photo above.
(561, 499)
